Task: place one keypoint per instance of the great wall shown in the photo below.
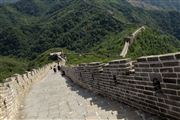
(150, 84)
(130, 39)
(14, 89)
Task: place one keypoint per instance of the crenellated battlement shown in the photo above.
(14, 89)
(150, 83)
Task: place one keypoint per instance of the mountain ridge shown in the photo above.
(38, 25)
(91, 30)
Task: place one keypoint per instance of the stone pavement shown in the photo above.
(56, 97)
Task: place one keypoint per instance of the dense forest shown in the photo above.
(30, 27)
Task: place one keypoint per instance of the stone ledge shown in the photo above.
(13, 90)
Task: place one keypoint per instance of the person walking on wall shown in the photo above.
(54, 69)
(59, 67)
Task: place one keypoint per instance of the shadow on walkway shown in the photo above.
(122, 111)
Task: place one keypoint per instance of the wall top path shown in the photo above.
(13, 90)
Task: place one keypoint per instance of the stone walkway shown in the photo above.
(58, 98)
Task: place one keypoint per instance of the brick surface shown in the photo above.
(154, 86)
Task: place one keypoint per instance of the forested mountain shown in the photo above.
(29, 27)
(97, 27)
(157, 4)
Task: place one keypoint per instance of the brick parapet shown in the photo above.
(13, 90)
(150, 83)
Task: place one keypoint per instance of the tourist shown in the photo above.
(59, 68)
(54, 69)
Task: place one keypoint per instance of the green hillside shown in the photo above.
(91, 30)
(151, 42)
(35, 26)
(10, 66)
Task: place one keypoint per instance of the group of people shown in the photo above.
(56, 68)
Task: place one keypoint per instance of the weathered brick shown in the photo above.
(156, 70)
(168, 91)
(147, 70)
(154, 107)
(170, 117)
(138, 78)
(144, 65)
(142, 60)
(170, 80)
(144, 74)
(166, 57)
(152, 98)
(145, 78)
(166, 70)
(174, 63)
(163, 110)
(148, 92)
(178, 56)
(155, 64)
(175, 98)
(161, 100)
(149, 88)
(176, 109)
(152, 110)
(119, 61)
(172, 102)
(162, 105)
(169, 75)
(137, 74)
(173, 86)
(174, 114)
(136, 65)
(152, 59)
(177, 69)
(142, 95)
(141, 82)
(140, 87)
(178, 93)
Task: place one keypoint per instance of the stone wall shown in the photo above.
(13, 90)
(151, 84)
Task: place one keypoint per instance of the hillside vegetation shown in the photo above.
(151, 42)
(10, 66)
(87, 30)
(27, 28)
